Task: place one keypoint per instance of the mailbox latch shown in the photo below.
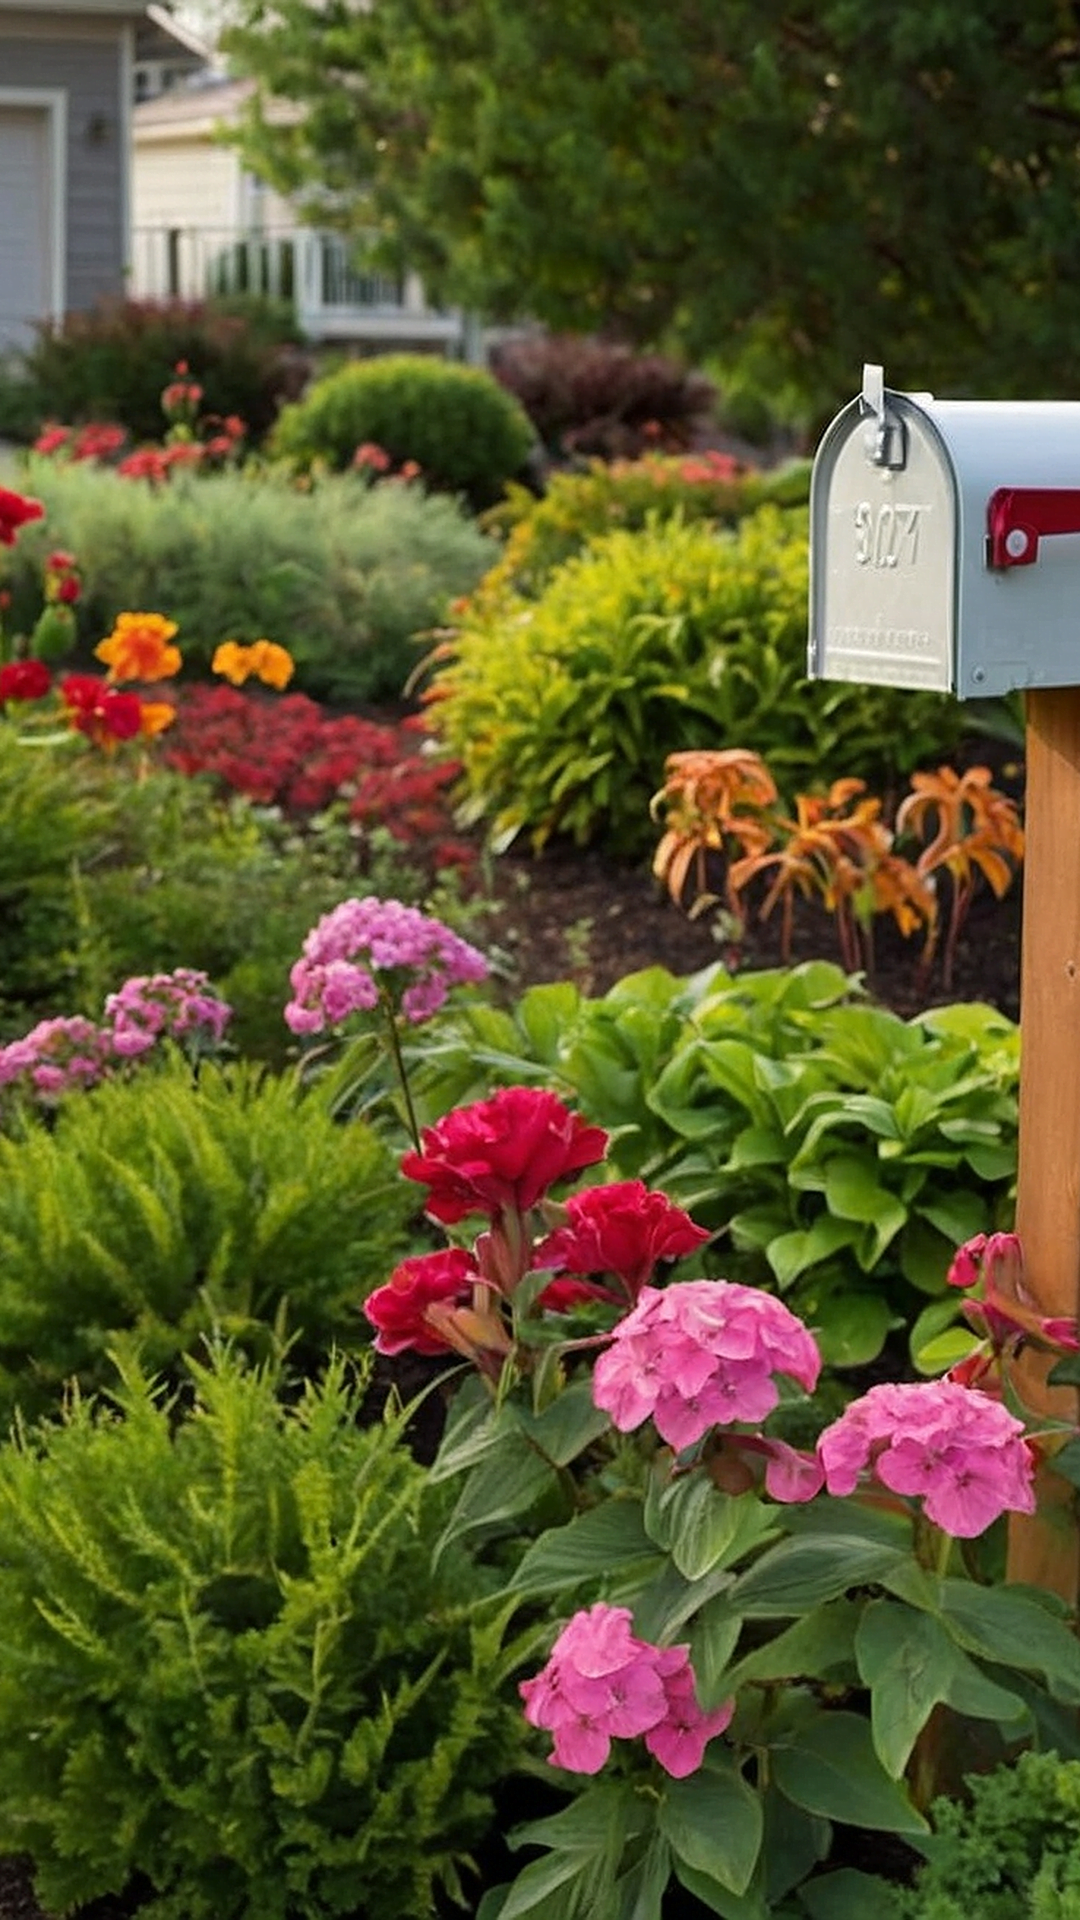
(886, 434)
(1017, 518)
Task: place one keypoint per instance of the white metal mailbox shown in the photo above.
(945, 543)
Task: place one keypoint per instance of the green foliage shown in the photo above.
(803, 176)
(227, 1665)
(159, 1208)
(576, 507)
(458, 423)
(562, 710)
(112, 362)
(1012, 1852)
(342, 576)
(841, 1152)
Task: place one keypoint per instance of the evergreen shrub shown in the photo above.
(1011, 1852)
(228, 1670)
(343, 576)
(463, 429)
(563, 710)
(158, 1208)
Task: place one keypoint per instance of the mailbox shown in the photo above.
(945, 543)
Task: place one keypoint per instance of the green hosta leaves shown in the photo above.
(831, 1768)
(910, 1663)
(714, 1822)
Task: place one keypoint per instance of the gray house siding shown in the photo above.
(90, 69)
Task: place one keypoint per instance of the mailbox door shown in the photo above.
(883, 544)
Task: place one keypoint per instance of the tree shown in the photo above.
(812, 181)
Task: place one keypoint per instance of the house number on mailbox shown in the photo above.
(886, 536)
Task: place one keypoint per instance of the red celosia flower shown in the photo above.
(622, 1229)
(500, 1155)
(68, 589)
(399, 1309)
(16, 510)
(24, 680)
(98, 711)
(51, 439)
(98, 441)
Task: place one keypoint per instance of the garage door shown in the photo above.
(26, 291)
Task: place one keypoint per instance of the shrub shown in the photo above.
(563, 710)
(631, 494)
(53, 813)
(158, 1207)
(462, 428)
(228, 1667)
(597, 396)
(842, 1153)
(1012, 1852)
(112, 362)
(343, 577)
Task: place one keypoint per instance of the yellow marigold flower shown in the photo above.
(138, 649)
(233, 662)
(272, 664)
(154, 717)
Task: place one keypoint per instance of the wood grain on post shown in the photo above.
(1045, 1549)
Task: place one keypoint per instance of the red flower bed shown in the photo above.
(289, 753)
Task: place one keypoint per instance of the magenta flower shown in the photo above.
(960, 1452)
(57, 1056)
(699, 1354)
(602, 1683)
(364, 944)
(149, 1007)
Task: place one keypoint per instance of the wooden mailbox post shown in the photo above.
(945, 553)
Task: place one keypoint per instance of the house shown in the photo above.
(203, 223)
(66, 87)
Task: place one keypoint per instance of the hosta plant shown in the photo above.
(755, 1641)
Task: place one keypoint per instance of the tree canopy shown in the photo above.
(818, 182)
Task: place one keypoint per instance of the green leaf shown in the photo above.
(500, 1488)
(608, 1539)
(1066, 1372)
(958, 1215)
(846, 1895)
(592, 1818)
(814, 1647)
(794, 1843)
(1011, 1625)
(1067, 1462)
(713, 1640)
(801, 1573)
(718, 1899)
(711, 1529)
(570, 1424)
(832, 1770)
(790, 1254)
(670, 1600)
(854, 1191)
(925, 1255)
(714, 1823)
(639, 1894)
(850, 1328)
(910, 1664)
(546, 1014)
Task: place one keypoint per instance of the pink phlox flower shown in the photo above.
(701, 1353)
(602, 1683)
(58, 1056)
(371, 937)
(181, 1004)
(961, 1452)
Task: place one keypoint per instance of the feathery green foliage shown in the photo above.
(159, 1208)
(343, 576)
(228, 1666)
(1013, 1853)
(458, 423)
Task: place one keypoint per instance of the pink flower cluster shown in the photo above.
(699, 1354)
(960, 1451)
(601, 1682)
(60, 1055)
(148, 1006)
(331, 980)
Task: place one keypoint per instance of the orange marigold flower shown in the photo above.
(272, 664)
(138, 649)
(232, 661)
(154, 717)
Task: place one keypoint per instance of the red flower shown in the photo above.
(68, 589)
(562, 1295)
(59, 562)
(502, 1154)
(399, 1310)
(51, 439)
(15, 511)
(622, 1229)
(24, 680)
(98, 711)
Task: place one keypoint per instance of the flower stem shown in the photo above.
(399, 1068)
(944, 1549)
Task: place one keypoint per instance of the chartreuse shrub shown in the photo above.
(228, 1667)
(563, 709)
(159, 1208)
(1010, 1852)
(52, 814)
(342, 576)
(576, 507)
(839, 1152)
(462, 428)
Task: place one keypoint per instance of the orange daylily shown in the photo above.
(138, 648)
(703, 791)
(975, 827)
(271, 664)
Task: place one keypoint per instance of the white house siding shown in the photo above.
(85, 58)
(184, 183)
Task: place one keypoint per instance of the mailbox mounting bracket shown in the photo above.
(1017, 517)
(886, 434)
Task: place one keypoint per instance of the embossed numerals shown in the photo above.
(888, 535)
